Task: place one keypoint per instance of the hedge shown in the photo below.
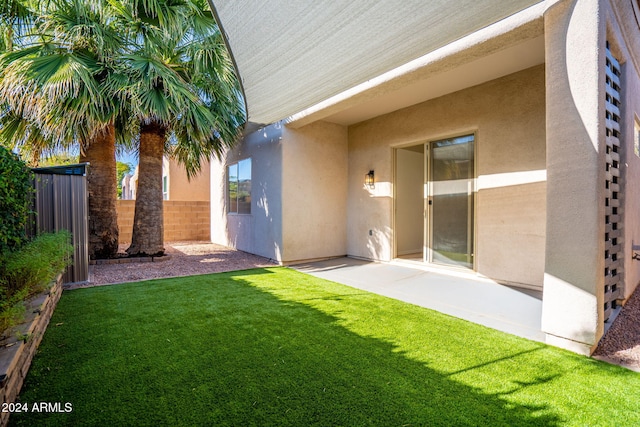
(16, 190)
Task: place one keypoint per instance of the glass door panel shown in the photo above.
(450, 201)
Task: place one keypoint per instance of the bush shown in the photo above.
(16, 191)
(12, 309)
(29, 270)
(38, 262)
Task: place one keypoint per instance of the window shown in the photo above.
(239, 187)
(165, 188)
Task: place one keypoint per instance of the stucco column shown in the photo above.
(573, 280)
(314, 192)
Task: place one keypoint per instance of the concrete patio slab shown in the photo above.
(461, 295)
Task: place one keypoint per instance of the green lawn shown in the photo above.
(277, 347)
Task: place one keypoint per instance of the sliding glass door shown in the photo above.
(449, 201)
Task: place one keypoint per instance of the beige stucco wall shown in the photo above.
(576, 33)
(183, 189)
(508, 118)
(574, 277)
(259, 232)
(314, 194)
(299, 197)
(304, 170)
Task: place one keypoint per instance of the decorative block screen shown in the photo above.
(613, 271)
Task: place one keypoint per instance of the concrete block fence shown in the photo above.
(183, 221)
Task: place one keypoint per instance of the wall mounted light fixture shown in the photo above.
(369, 179)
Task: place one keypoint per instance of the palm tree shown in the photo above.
(15, 15)
(91, 72)
(183, 92)
(102, 190)
(15, 18)
(52, 85)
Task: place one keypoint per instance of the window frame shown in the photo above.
(165, 187)
(236, 207)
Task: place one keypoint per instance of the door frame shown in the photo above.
(426, 211)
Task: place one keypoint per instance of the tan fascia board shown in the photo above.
(525, 25)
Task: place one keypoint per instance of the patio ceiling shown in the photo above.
(292, 55)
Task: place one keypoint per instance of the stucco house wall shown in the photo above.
(314, 194)
(298, 207)
(575, 138)
(574, 309)
(259, 232)
(182, 188)
(508, 117)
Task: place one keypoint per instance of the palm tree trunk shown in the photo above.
(102, 189)
(148, 229)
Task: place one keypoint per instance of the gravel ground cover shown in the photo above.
(185, 259)
(621, 344)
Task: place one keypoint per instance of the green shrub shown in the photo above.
(29, 270)
(16, 191)
(38, 262)
(12, 309)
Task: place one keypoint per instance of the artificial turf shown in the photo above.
(277, 347)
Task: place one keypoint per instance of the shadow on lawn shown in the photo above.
(245, 348)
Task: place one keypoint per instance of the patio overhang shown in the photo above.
(312, 60)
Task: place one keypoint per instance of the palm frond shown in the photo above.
(84, 64)
(27, 137)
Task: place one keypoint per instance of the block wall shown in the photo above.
(183, 221)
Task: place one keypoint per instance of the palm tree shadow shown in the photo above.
(263, 353)
(355, 374)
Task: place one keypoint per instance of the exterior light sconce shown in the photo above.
(369, 179)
